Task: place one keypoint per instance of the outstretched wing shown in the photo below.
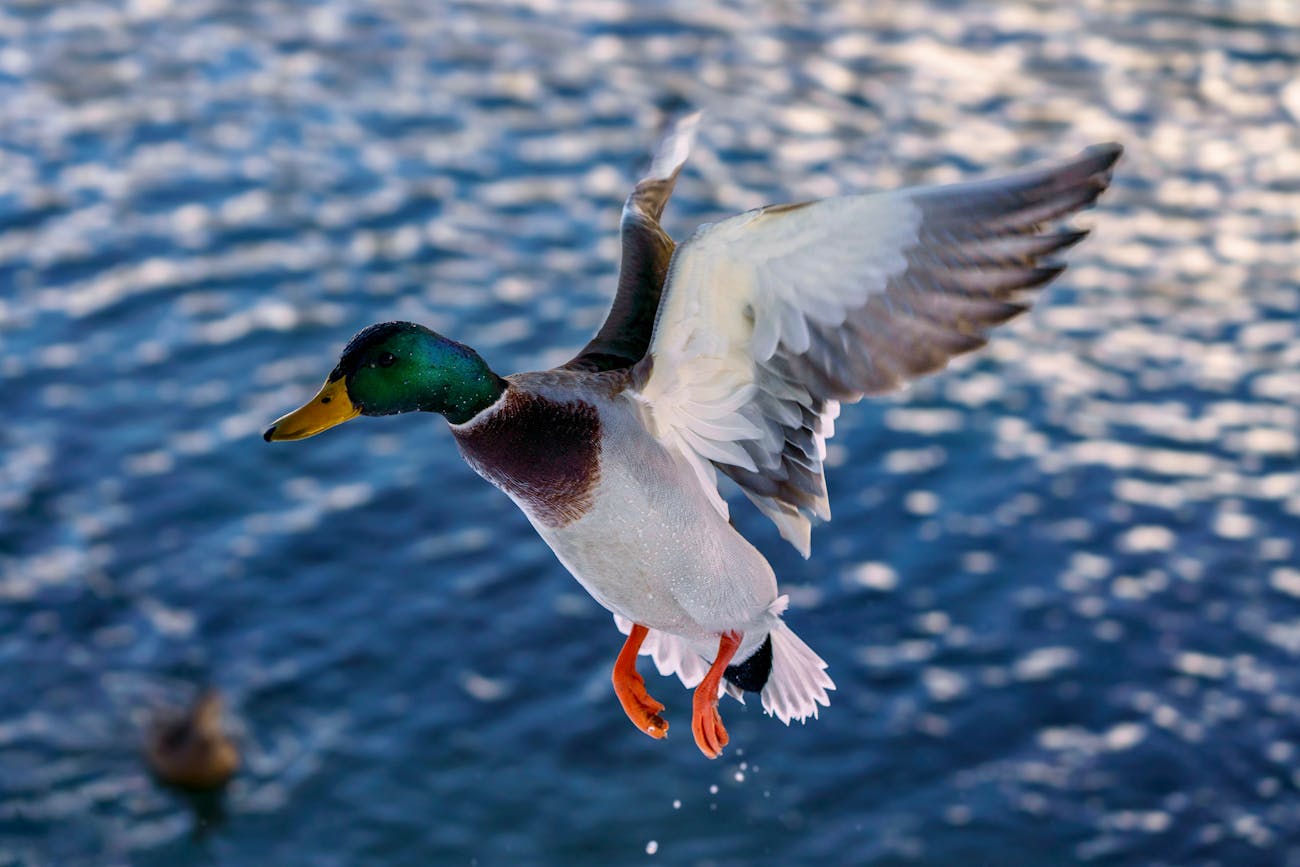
(775, 316)
(647, 250)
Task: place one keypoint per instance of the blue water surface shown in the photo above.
(1060, 597)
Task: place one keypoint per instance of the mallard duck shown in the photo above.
(191, 750)
(729, 354)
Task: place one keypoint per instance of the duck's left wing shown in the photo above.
(647, 250)
(773, 317)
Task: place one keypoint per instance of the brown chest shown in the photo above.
(544, 453)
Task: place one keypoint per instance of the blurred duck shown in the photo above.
(192, 751)
(729, 354)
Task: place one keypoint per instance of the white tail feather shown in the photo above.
(798, 682)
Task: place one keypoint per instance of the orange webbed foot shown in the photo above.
(706, 723)
(629, 686)
(642, 709)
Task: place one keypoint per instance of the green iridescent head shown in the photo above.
(396, 367)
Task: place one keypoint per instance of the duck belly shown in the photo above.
(653, 549)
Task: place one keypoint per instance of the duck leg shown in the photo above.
(706, 723)
(630, 687)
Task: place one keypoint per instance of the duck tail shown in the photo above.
(798, 682)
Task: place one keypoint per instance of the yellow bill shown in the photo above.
(328, 408)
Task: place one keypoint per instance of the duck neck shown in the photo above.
(460, 384)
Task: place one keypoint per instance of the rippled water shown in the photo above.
(1060, 597)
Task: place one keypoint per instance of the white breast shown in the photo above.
(652, 547)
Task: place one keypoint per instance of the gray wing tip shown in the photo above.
(1097, 162)
(674, 146)
(1044, 274)
(1107, 150)
(1072, 187)
(1067, 238)
(651, 192)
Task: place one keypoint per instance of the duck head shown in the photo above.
(395, 367)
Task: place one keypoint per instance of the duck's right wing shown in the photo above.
(771, 318)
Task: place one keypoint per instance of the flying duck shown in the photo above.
(731, 353)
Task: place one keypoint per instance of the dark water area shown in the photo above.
(1061, 594)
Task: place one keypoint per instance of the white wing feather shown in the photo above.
(771, 318)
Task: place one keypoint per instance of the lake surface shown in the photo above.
(1061, 594)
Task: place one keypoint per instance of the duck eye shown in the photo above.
(386, 360)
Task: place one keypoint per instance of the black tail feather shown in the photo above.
(752, 674)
